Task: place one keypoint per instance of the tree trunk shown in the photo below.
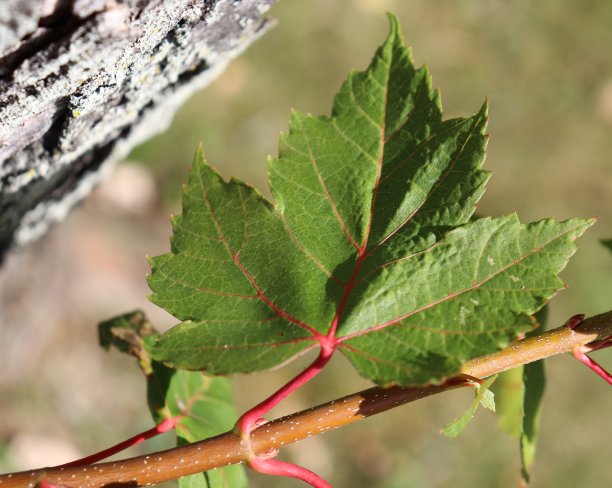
(83, 81)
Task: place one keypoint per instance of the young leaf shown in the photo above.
(487, 400)
(484, 396)
(204, 402)
(126, 333)
(369, 245)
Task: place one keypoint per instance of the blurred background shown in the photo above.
(546, 68)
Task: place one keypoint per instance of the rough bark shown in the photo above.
(83, 81)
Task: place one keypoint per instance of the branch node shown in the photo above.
(574, 321)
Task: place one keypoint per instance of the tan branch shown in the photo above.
(229, 449)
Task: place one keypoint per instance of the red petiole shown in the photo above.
(164, 426)
(580, 353)
(254, 418)
(248, 421)
(280, 468)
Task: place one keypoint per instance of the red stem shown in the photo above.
(46, 484)
(252, 419)
(246, 423)
(590, 363)
(164, 426)
(280, 468)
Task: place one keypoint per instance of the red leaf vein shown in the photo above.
(246, 272)
(450, 296)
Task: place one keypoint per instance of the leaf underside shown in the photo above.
(370, 240)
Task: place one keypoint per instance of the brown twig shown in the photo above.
(229, 449)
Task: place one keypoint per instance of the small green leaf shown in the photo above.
(484, 396)
(519, 406)
(607, 243)
(509, 395)
(535, 382)
(371, 241)
(520, 392)
(488, 400)
(206, 402)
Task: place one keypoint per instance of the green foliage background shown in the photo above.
(547, 69)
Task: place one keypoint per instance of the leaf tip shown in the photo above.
(199, 155)
(394, 25)
(584, 225)
(524, 478)
(484, 109)
(295, 117)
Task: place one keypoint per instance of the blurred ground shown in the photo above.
(547, 70)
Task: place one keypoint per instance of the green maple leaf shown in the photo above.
(370, 242)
